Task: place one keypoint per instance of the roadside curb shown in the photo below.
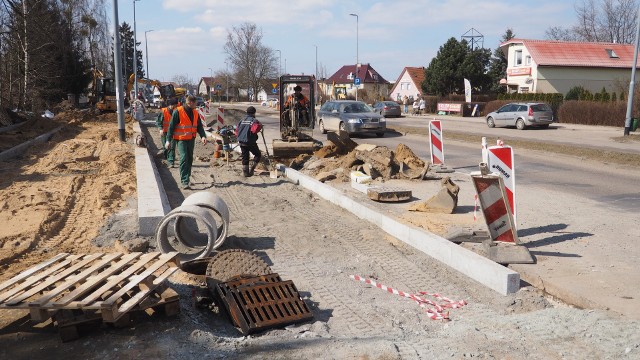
(153, 203)
(493, 275)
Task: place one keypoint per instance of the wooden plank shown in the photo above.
(144, 259)
(53, 279)
(93, 281)
(142, 294)
(134, 280)
(31, 271)
(34, 279)
(74, 280)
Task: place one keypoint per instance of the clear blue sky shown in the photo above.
(188, 36)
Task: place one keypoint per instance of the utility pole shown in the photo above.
(118, 64)
(135, 56)
(632, 84)
(146, 51)
(357, 59)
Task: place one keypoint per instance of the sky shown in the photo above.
(187, 37)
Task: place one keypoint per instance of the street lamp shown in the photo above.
(227, 87)
(632, 83)
(135, 54)
(146, 51)
(279, 62)
(357, 60)
(210, 82)
(316, 85)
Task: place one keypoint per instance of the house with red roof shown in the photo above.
(550, 66)
(409, 84)
(341, 84)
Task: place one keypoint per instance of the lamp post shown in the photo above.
(135, 55)
(357, 59)
(117, 60)
(227, 87)
(146, 51)
(316, 84)
(279, 62)
(211, 82)
(628, 121)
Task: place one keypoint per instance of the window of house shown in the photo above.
(524, 90)
(518, 59)
(350, 76)
(612, 54)
(527, 60)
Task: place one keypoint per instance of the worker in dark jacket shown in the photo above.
(248, 141)
(162, 122)
(184, 126)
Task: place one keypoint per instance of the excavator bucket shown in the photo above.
(285, 149)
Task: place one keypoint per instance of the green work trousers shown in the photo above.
(185, 147)
(170, 153)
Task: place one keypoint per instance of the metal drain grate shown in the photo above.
(262, 302)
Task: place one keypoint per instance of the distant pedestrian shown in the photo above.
(184, 127)
(247, 133)
(162, 122)
(421, 106)
(405, 102)
(416, 106)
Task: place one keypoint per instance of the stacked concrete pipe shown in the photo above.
(189, 242)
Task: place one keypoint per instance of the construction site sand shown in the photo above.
(83, 197)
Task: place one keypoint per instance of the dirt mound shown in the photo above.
(378, 161)
(64, 190)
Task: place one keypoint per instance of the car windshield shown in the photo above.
(355, 107)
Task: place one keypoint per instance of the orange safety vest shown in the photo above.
(166, 119)
(186, 129)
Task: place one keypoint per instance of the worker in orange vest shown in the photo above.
(184, 127)
(163, 123)
(300, 104)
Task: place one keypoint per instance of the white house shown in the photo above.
(409, 83)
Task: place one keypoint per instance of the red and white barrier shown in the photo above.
(436, 143)
(501, 162)
(220, 117)
(495, 207)
(438, 311)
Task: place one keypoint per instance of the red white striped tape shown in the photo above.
(437, 313)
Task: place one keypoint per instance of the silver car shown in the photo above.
(387, 108)
(354, 117)
(521, 115)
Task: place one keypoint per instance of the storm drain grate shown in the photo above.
(263, 302)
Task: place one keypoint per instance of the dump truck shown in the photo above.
(297, 117)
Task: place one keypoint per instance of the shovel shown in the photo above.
(273, 173)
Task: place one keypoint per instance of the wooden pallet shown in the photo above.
(73, 289)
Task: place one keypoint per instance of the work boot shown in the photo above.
(245, 171)
(253, 167)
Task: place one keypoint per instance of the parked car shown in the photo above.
(521, 115)
(387, 108)
(269, 102)
(354, 117)
(199, 101)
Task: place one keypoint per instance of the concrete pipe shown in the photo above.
(186, 251)
(184, 228)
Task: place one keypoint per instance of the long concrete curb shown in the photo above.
(19, 149)
(481, 269)
(153, 203)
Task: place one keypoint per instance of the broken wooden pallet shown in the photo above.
(95, 286)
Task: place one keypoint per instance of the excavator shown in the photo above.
(297, 117)
(166, 91)
(103, 92)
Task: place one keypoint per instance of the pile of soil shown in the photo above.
(64, 189)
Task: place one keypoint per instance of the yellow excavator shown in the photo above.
(103, 92)
(297, 117)
(166, 91)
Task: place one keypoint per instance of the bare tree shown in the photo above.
(251, 60)
(601, 21)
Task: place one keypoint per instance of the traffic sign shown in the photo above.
(356, 81)
(218, 87)
(275, 91)
(274, 85)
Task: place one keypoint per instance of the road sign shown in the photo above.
(218, 87)
(275, 91)
(356, 81)
(274, 85)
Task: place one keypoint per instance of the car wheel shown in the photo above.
(321, 126)
(490, 122)
(380, 134)
(342, 127)
(520, 124)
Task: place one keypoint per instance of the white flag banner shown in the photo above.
(467, 91)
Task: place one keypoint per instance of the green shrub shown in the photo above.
(575, 93)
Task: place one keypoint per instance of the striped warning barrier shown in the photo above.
(435, 139)
(220, 117)
(438, 311)
(501, 162)
(495, 207)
